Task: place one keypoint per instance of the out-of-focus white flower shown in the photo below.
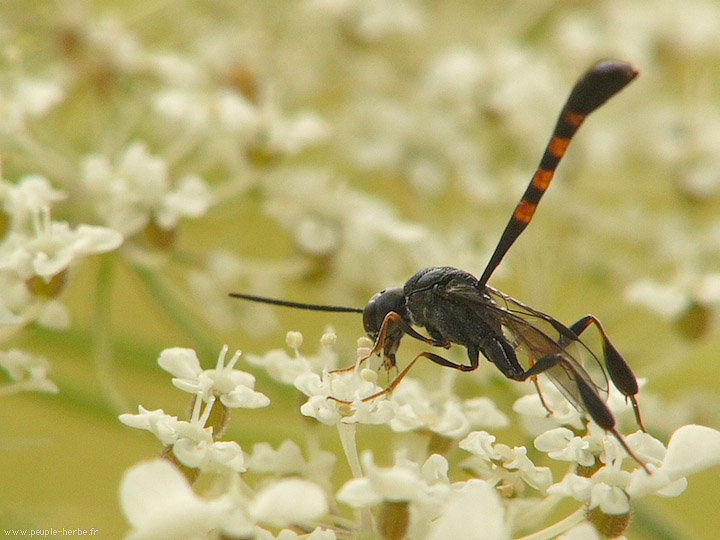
(670, 300)
(456, 75)
(233, 387)
(39, 96)
(405, 481)
(281, 366)
(159, 504)
(510, 468)
(110, 38)
(190, 198)
(180, 70)
(205, 109)
(53, 247)
(28, 97)
(225, 271)
(534, 415)
(289, 501)
(290, 135)
(285, 368)
(287, 534)
(136, 189)
(27, 371)
(374, 20)
(288, 459)
(472, 510)
(25, 199)
(328, 219)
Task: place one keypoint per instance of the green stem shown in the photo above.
(101, 331)
(349, 444)
(347, 439)
(175, 309)
(557, 528)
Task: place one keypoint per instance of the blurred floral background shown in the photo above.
(158, 155)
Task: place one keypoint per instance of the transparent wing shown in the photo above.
(534, 334)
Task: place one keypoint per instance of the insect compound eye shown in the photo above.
(379, 306)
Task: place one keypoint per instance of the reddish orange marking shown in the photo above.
(558, 145)
(541, 179)
(574, 119)
(524, 211)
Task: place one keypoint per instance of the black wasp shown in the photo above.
(454, 307)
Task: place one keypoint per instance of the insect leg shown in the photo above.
(434, 357)
(380, 342)
(502, 354)
(591, 401)
(390, 387)
(620, 372)
(391, 331)
(444, 362)
(535, 382)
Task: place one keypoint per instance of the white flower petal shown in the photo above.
(163, 426)
(453, 422)
(54, 315)
(553, 440)
(358, 493)
(245, 397)
(190, 198)
(160, 505)
(181, 362)
(320, 408)
(289, 501)
(91, 239)
(227, 454)
(482, 411)
(473, 510)
(572, 485)
(191, 453)
(610, 499)
(480, 443)
(642, 484)
(435, 468)
(287, 459)
(691, 449)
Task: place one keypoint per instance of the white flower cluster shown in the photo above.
(159, 502)
(417, 497)
(36, 256)
(129, 194)
(192, 441)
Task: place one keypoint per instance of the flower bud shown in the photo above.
(392, 520)
(47, 289)
(157, 236)
(608, 525)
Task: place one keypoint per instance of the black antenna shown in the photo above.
(299, 305)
